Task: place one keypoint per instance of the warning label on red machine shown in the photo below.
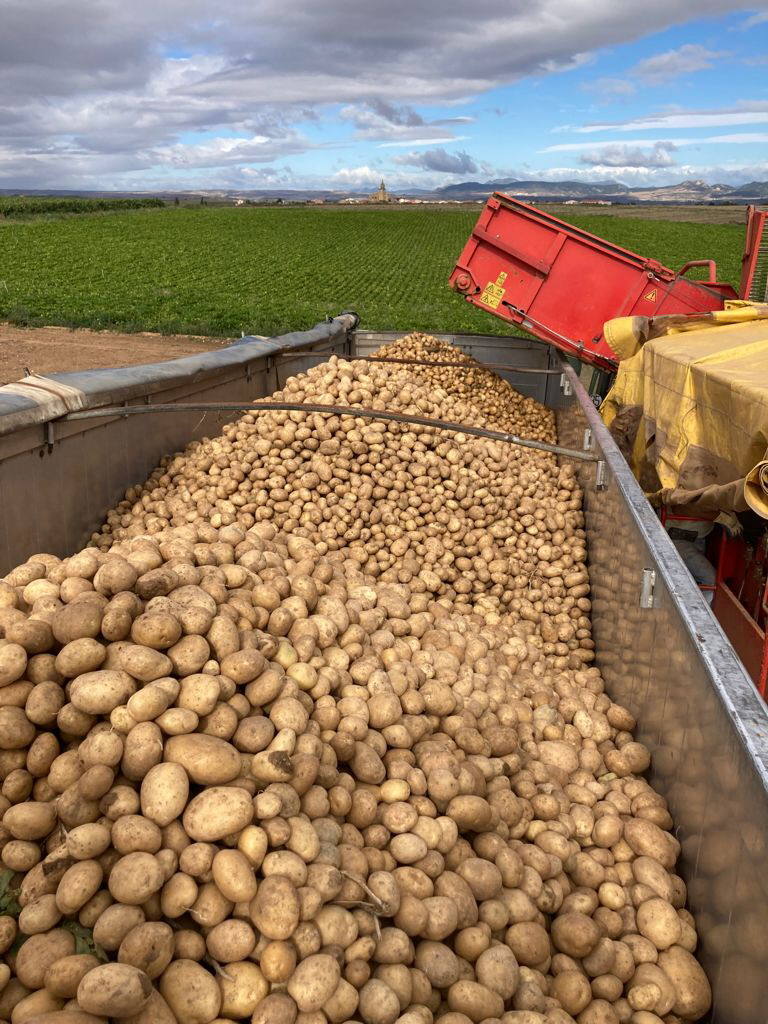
(651, 295)
(493, 292)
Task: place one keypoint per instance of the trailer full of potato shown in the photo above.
(312, 733)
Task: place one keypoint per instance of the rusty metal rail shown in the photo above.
(329, 410)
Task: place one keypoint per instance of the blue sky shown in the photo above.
(262, 94)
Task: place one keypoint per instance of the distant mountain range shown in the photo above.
(692, 191)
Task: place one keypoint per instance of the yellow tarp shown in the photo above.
(690, 411)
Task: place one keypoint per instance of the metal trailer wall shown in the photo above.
(697, 711)
(669, 663)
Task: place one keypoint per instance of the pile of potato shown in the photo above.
(311, 735)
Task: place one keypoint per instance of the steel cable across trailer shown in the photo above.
(330, 410)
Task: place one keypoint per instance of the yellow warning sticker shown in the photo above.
(651, 295)
(494, 293)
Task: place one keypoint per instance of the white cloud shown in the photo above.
(759, 18)
(736, 138)
(423, 142)
(746, 112)
(89, 89)
(611, 88)
(214, 153)
(620, 154)
(663, 67)
(728, 173)
(440, 161)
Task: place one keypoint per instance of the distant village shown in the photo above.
(383, 195)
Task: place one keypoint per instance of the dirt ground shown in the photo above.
(58, 349)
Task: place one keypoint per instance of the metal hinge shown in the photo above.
(601, 475)
(647, 585)
(587, 444)
(565, 385)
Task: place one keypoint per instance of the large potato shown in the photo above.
(276, 909)
(191, 992)
(208, 760)
(149, 947)
(234, 875)
(30, 820)
(693, 995)
(115, 990)
(64, 975)
(164, 793)
(313, 982)
(135, 877)
(40, 952)
(99, 693)
(217, 812)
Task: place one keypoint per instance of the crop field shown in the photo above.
(222, 271)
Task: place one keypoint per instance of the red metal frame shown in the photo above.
(740, 602)
(757, 220)
(562, 284)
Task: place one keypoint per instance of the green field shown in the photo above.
(220, 271)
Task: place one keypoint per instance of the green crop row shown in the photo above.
(32, 206)
(222, 271)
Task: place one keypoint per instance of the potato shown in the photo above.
(208, 760)
(276, 1008)
(33, 1006)
(78, 885)
(275, 909)
(191, 992)
(135, 877)
(155, 1011)
(16, 730)
(63, 977)
(114, 924)
(100, 692)
(233, 874)
(144, 663)
(76, 621)
(496, 969)
(79, 656)
(575, 934)
(243, 988)
(39, 952)
(217, 812)
(149, 947)
(230, 941)
(115, 990)
(164, 793)
(13, 661)
(39, 915)
(313, 982)
(474, 1000)
(693, 995)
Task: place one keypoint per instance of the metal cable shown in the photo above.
(329, 410)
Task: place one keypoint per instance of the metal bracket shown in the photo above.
(587, 445)
(50, 436)
(565, 385)
(647, 585)
(601, 475)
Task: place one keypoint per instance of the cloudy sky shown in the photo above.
(172, 94)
